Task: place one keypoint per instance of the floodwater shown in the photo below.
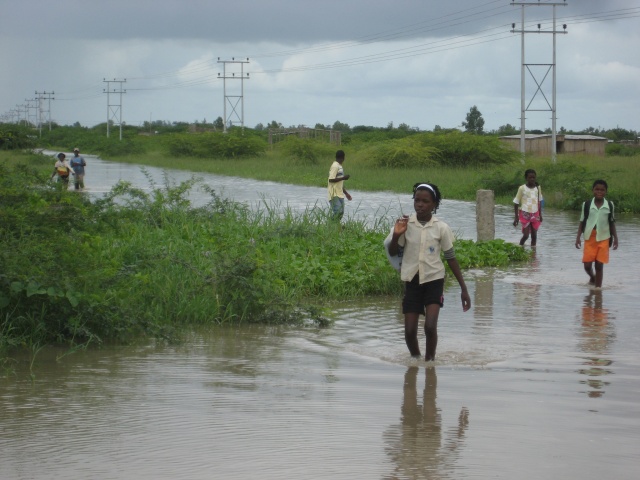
(540, 380)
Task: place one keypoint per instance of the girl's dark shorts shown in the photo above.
(417, 296)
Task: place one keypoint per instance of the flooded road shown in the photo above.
(541, 379)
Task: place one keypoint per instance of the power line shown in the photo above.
(490, 9)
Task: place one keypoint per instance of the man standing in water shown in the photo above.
(337, 192)
(78, 164)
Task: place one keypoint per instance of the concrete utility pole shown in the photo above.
(20, 110)
(233, 100)
(44, 96)
(114, 110)
(551, 67)
(32, 104)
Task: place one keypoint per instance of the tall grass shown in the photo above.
(565, 184)
(568, 182)
(149, 263)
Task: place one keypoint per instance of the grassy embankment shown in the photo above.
(380, 160)
(565, 183)
(139, 263)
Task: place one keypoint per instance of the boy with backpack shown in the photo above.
(598, 225)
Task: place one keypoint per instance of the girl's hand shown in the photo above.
(401, 225)
(466, 300)
(516, 221)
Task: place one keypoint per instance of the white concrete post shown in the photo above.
(485, 219)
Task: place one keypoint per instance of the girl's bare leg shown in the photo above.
(431, 330)
(525, 235)
(411, 333)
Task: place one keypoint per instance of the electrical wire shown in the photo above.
(431, 26)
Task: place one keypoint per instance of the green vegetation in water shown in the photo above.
(139, 263)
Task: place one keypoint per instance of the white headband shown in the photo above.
(429, 187)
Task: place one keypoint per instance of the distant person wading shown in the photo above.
(78, 164)
(337, 192)
(61, 170)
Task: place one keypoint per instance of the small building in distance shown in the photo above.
(567, 144)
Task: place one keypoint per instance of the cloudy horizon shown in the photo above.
(422, 63)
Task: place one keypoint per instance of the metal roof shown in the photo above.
(564, 136)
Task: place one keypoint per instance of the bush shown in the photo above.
(95, 140)
(305, 151)
(403, 153)
(459, 149)
(215, 145)
(565, 185)
(13, 137)
(621, 150)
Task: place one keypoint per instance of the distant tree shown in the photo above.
(219, 123)
(341, 127)
(363, 128)
(437, 128)
(77, 125)
(621, 134)
(475, 122)
(405, 127)
(507, 129)
(390, 126)
(321, 126)
(259, 127)
(274, 124)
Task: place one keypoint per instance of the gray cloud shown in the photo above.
(421, 62)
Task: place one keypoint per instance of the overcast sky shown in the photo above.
(362, 62)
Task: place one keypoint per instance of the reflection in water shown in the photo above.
(483, 303)
(595, 339)
(526, 294)
(416, 445)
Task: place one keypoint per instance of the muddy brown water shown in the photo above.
(541, 379)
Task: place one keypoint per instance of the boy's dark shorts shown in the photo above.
(417, 296)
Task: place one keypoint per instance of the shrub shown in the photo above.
(215, 145)
(305, 151)
(620, 150)
(459, 149)
(565, 184)
(13, 137)
(403, 153)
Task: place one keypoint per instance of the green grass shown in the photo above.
(139, 263)
(460, 164)
(565, 184)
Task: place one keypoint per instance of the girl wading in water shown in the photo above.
(527, 207)
(423, 236)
